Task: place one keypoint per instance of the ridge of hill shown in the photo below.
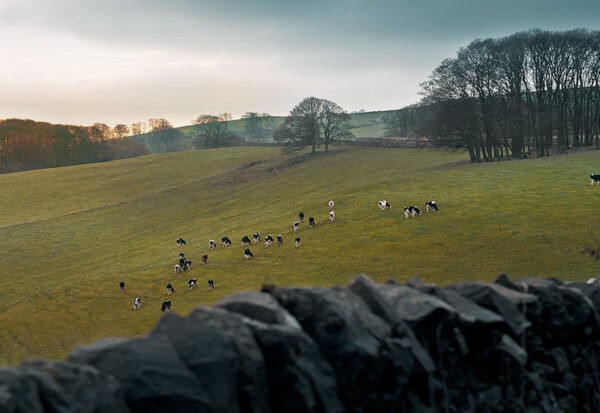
(70, 235)
(364, 125)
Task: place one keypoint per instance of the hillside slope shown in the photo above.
(69, 235)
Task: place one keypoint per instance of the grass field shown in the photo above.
(69, 235)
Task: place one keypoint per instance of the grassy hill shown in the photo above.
(69, 235)
(365, 125)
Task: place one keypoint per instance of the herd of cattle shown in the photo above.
(185, 264)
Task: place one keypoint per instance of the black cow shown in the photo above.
(211, 284)
(279, 240)
(170, 289)
(166, 306)
(256, 238)
(137, 303)
(411, 211)
(180, 241)
(268, 240)
(248, 254)
(301, 216)
(204, 258)
(297, 242)
(122, 285)
(245, 240)
(187, 265)
(192, 283)
(595, 179)
(431, 205)
(225, 241)
(311, 222)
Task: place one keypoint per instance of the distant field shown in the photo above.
(69, 235)
(365, 125)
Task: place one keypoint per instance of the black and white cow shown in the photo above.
(170, 289)
(411, 211)
(180, 242)
(268, 240)
(187, 265)
(295, 226)
(204, 258)
(211, 284)
(166, 306)
(595, 179)
(192, 283)
(332, 216)
(245, 240)
(212, 244)
(181, 259)
(301, 216)
(383, 204)
(248, 254)
(137, 303)
(297, 242)
(225, 242)
(256, 238)
(431, 205)
(122, 285)
(331, 205)
(177, 269)
(311, 222)
(279, 240)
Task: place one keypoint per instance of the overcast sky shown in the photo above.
(122, 61)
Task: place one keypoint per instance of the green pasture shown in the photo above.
(69, 235)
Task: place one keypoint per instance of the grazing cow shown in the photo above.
(177, 268)
(187, 265)
(431, 205)
(248, 254)
(383, 204)
(204, 258)
(245, 240)
(311, 222)
(181, 260)
(211, 284)
(268, 240)
(192, 283)
(301, 216)
(295, 226)
(212, 244)
(256, 238)
(279, 240)
(137, 303)
(170, 289)
(595, 179)
(411, 211)
(180, 242)
(297, 242)
(122, 285)
(166, 306)
(331, 216)
(225, 242)
(331, 205)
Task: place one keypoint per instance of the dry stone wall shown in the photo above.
(530, 345)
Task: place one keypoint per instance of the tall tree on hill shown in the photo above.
(311, 121)
(335, 123)
(157, 124)
(255, 124)
(212, 131)
(119, 131)
(137, 128)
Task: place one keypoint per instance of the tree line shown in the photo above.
(26, 144)
(530, 93)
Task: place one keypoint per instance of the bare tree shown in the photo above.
(157, 124)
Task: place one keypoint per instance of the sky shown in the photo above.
(123, 61)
